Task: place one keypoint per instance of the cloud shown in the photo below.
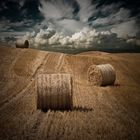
(126, 29)
(107, 10)
(85, 38)
(120, 22)
(7, 25)
(134, 41)
(76, 24)
(69, 26)
(56, 9)
(111, 17)
(87, 9)
(47, 37)
(10, 31)
(21, 3)
(61, 15)
(120, 16)
(4, 25)
(61, 27)
(3, 6)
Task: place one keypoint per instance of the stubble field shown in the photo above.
(99, 113)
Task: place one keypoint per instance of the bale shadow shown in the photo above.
(81, 109)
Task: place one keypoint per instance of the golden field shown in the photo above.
(99, 113)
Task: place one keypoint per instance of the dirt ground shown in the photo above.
(99, 113)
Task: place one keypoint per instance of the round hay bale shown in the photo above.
(101, 75)
(54, 91)
(22, 43)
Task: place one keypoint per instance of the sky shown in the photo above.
(103, 24)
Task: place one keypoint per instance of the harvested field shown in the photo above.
(99, 113)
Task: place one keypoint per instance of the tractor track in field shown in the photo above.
(31, 127)
(15, 97)
(19, 94)
(27, 80)
(52, 63)
(60, 62)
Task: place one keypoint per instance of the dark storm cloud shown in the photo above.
(79, 23)
(18, 16)
(133, 5)
(104, 13)
(121, 17)
(16, 10)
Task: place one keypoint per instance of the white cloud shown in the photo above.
(56, 9)
(85, 38)
(82, 39)
(69, 26)
(86, 9)
(60, 14)
(125, 29)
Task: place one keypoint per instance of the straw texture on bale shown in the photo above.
(22, 43)
(101, 75)
(54, 91)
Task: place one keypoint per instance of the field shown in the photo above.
(99, 113)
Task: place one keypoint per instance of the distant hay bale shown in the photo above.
(54, 91)
(21, 43)
(101, 75)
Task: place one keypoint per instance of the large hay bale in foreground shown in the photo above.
(21, 43)
(54, 91)
(101, 75)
